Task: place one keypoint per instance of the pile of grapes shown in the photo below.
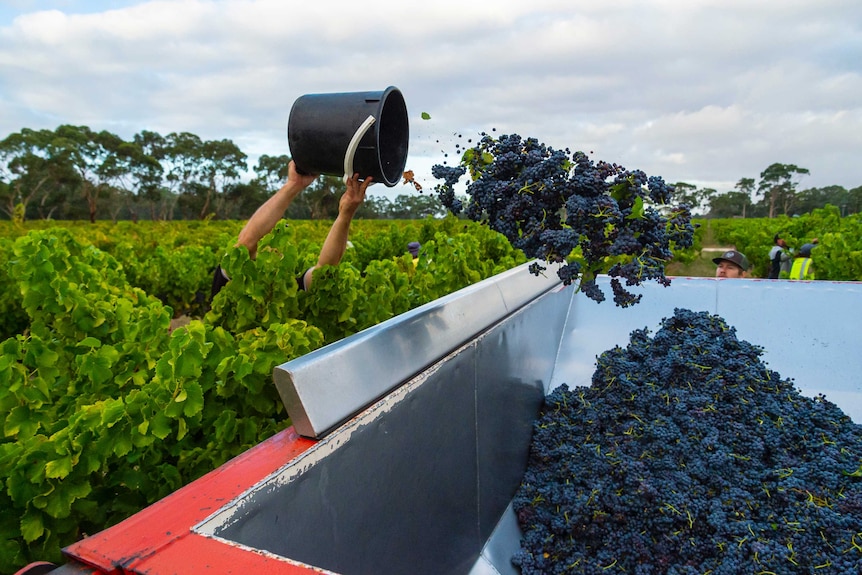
(687, 455)
(563, 208)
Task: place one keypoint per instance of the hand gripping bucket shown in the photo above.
(348, 132)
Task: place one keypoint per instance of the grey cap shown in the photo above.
(733, 257)
(805, 250)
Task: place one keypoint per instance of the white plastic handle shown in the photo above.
(354, 143)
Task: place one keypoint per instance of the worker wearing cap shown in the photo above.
(803, 266)
(779, 258)
(731, 264)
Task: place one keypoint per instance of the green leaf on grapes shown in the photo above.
(857, 473)
(637, 209)
(620, 191)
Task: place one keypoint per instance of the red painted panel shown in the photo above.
(165, 526)
(196, 554)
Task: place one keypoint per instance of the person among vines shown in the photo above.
(413, 248)
(779, 258)
(263, 220)
(803, 265)
(731, 264)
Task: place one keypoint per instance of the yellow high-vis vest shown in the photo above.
(801, 269)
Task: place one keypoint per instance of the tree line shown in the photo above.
(776, 193)
(76, 173)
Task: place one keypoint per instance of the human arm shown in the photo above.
(335, 243)
(267, 215)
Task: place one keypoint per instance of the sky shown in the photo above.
(705, 92)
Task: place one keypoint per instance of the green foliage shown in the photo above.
(688, 255)
(13, 318)
(838, 256)
(105, 410)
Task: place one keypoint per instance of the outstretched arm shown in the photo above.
(336, 240)
(267, 215)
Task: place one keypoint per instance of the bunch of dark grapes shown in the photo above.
(562, 208)
(687, 455)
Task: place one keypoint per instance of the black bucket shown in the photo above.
(343, 133)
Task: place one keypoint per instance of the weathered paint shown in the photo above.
(160, 540)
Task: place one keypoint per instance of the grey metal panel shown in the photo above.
(809, 330)
(417, 482)
(392, 491)
(496, 556)
(324, 388)
(514, 364)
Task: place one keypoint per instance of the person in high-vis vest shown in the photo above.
(803, 266)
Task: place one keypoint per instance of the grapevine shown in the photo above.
(688, 455)
(562, 208)
(105, 409)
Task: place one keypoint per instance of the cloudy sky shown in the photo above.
(701, 91)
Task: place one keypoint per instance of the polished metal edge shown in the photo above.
(329, 385)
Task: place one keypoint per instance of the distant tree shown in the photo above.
(813, 198)
(242, 199)
(416, 207)
(104, 161)
(745, 186)
(685, 193)
(729, 205)
(222, 164)
(138, 179)
(320, 199)
(29, 170)
(159, 199)
(374, 208)
(854, 201)
(778, 187)
(22, 170)
(182, 160)
(272, 171)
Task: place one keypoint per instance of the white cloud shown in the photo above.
(704, 91)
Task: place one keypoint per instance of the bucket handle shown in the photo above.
(354, 143)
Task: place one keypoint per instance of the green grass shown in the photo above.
(702, 267)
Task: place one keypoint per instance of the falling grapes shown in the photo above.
(562, 208)
(687, 455)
